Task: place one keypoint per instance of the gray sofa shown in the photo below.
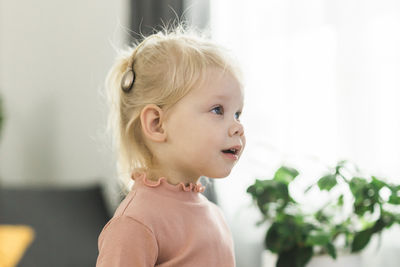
(67, 223)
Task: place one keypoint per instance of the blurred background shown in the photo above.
(322, 84)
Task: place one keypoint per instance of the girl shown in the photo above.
(177, 99)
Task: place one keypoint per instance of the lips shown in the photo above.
(234, 150)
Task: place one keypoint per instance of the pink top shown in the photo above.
(160, 224)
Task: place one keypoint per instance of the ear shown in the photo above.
(151, 119)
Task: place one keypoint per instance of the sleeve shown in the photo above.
(126, 242)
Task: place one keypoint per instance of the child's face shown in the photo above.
(203, 124)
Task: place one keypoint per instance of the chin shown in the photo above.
(220, 175)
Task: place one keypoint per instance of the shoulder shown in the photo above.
(219, 216)
(142, 206)
(125, 240)
(216, 209)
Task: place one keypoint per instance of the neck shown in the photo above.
(171, 176)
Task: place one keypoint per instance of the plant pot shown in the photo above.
(268, 259)
(344, 260)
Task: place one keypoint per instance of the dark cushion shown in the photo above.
(67, 223)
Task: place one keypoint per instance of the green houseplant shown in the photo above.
(357, 208)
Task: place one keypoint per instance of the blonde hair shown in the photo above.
(167, 65)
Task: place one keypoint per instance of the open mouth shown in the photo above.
(233, 151)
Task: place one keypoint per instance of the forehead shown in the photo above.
(219, 84)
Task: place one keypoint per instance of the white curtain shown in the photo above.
(322, 84)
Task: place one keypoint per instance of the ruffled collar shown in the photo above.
(162, 186)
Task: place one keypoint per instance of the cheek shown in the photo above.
(185, 134)
(177, 126)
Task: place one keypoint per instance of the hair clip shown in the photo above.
(127, 80)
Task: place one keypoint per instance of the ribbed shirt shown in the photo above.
(160, 224)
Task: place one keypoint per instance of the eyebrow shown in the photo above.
(221, 96)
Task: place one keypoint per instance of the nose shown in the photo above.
(236, 129)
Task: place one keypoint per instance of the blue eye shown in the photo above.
(237, 115)
(218, 110)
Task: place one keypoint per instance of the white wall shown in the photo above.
(54, 56)
(322, 84)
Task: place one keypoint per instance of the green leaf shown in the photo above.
(330, 248)
(361, 239)
(321, 216)
(385, 221)
(341, 164)
(273, 241)
(340, 201)
(394, 199)
(266, 192)
(280, 237)
(317, 238)
(286, 233)
(309, 188)
(251, 190)
(327, 182)
(295, 257)
(378, 184)
(285, 174)
(366, 196)
(357, 184)
(257, 188)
